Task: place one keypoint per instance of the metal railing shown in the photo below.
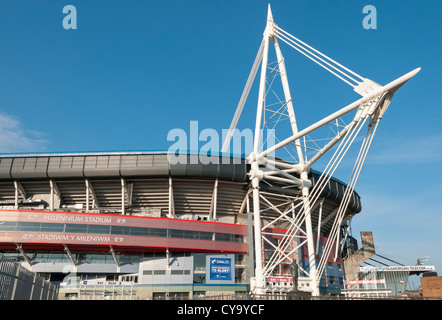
(18, 283)
(297, 296)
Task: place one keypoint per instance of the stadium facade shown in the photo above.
(134, 226)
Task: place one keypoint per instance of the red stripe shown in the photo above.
(132, 217)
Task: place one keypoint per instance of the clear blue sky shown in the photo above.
(134, 70)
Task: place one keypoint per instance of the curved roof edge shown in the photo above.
(223, 166)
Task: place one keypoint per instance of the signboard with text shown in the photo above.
(220, 269)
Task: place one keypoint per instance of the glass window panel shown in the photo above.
(76, 228)
(57, 257)
(7, 226)
(177, 272)
(99, 229)
(11, 255)
(222, 237)
(137, 231)
(52, 227)
(206, 235)
(154, 232)
(159, 272)
(176, 233)
(128, 258)
(101, 258)
(81, 257)
(191, 234)
(28, 226)
(199, 261)
(120, 230)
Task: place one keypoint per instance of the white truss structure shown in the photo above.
(265, 168)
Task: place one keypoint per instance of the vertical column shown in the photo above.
(310, 241)
(259, 281)
(304, 174)
(16, 279)
(251, 258)
(87, 194)
(214, 200)
(171, 213)
(123, 197)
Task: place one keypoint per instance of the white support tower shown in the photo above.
(296, 211)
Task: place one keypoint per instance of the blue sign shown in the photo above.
(220, 269)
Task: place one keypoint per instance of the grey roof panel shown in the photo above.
(101, 166)
(31, 167)
(66, 167)
(5, 168)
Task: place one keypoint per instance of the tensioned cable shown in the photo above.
(293, 45)
(388, 259)
(286, 239)
(324, 179)
(336, 159)
(285, 33)
(350, 187)
(355, 175)
(344, 146)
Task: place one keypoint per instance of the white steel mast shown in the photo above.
(374, 102)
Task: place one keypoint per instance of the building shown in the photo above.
(135, 226)
(431, 286)
(371, 275)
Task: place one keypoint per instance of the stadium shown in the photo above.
(142, 225)
(131, 225)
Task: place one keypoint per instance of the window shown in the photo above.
(159, 272)
(154, 232)
(101, 258)
(137, 231)
(206, 235)
(222, 237)
(58, 257)
(7, 226)
(81, 257)
(28, 226)
(120, 230)
(191, 234)
(147, 272)
(176, 233)
(133, 279)
(179, 272)
(111, 277)
(76, 228)
(52, 227)
(199, 261)
(128, 258)
(98, 229)
(176, 272)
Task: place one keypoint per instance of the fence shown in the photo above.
(298, 296)
(18, 283)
